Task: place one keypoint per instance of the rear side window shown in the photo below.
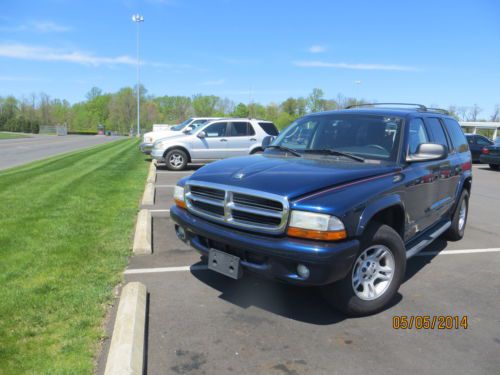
(481, 141)
(417, 135)
(437, 132)
(457, 135)
(269, 128)
(241, 129)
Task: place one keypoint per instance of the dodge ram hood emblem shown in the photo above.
(239, 175)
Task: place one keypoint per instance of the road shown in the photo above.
(14, 152)
(200, 322)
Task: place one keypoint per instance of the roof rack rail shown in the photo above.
(419, 106)
(440, 110)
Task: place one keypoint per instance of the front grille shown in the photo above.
(238, 207)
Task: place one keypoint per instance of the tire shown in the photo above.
(459, 220)
(494, 166)
(343, 296)
(176, 160)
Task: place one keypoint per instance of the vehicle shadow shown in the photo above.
(415, 264)
(189, 167)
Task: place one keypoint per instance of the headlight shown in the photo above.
(316, 226)
(148, 139)
(179, 196)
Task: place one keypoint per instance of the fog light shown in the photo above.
(180, 232)
(303, 271)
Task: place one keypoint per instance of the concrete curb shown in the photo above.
(142, 237)
(152, 173)
(126, 354)
(148, 198)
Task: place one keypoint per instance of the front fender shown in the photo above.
(375, 207)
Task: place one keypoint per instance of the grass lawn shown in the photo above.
(66, 227)
(13, 135)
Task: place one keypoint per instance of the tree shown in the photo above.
(93, 93)
(241, 110)
(315, 101)
(204, 105)
(495, 116)
(123, 111)
(256, 110)
(290, 106)
(474, 112)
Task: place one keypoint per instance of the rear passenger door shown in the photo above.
(241, 137)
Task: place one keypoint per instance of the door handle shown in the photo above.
(223, 140)
(253, 139)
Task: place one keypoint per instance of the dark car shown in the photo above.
(476, 144)
(338, 200)
(491, 155)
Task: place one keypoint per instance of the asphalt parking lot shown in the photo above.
(18, 151)
(200, 322)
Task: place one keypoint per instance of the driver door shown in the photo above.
(213, 146)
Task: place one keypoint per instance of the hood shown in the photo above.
(286, 176)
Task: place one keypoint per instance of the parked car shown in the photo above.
(491, 155)
(214, 140)
(343, 210)
(150, 138)
(476, 144)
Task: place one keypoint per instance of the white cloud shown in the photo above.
(42, 53)
(342, 65)
(38, 27)
(317, 48)
(217, 82)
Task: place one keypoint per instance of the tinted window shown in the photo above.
(436, 129)
(269, 128)
(481, 141)
(457, 135)
(417, 135)
(216, 130)
(241, 129)
(470, 139)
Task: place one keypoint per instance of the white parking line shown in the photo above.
(164, 186)
(160, 210)
(200, 267)
(172, 172)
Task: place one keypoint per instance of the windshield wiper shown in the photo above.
(286, 149)
(336, 153)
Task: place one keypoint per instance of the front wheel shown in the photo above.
(375, 276)
(176, 160)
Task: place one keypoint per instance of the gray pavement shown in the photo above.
(18, 151)
(200, 322)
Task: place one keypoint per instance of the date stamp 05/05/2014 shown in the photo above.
(441, 322)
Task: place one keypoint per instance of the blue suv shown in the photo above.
(338, 200)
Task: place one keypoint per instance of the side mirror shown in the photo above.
(187, 130)
(428, 152)
(202, 134)
(267, 141)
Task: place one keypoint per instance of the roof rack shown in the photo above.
(419, 107)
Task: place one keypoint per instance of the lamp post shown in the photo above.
(137, 18)
(358, 83)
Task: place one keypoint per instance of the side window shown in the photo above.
(481, 141)
(241, 129)
(269, 128)
(417, 135)
(216, 130)
(437, 132)
(457, 135)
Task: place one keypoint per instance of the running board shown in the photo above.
(430, 238)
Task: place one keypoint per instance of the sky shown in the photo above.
(429, 52)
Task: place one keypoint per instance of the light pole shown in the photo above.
(137, 18)
(358, 83)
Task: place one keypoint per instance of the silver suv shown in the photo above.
(214, 140)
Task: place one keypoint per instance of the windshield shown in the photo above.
(370, 137)
(181, 125)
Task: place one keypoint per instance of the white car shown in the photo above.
(151, 137)
(214, 140)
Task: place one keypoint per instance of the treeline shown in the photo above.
(118, 111)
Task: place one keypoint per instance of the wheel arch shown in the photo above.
(256, 149)
(388, 210)
(178, 147)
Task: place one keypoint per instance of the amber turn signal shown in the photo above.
(317, 234)
(179, 203)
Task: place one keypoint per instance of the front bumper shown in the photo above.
(157, 154)
(274, 257)
(489, 159)
(146, 148)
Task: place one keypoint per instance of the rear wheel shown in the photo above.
(457, 229)
(375, 276)
(176, 160)
(494, 166)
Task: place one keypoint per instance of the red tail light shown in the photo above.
(485, 151)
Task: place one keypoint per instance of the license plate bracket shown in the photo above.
(224, 263)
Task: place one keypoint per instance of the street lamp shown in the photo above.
(358, 83)
(137, 18)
